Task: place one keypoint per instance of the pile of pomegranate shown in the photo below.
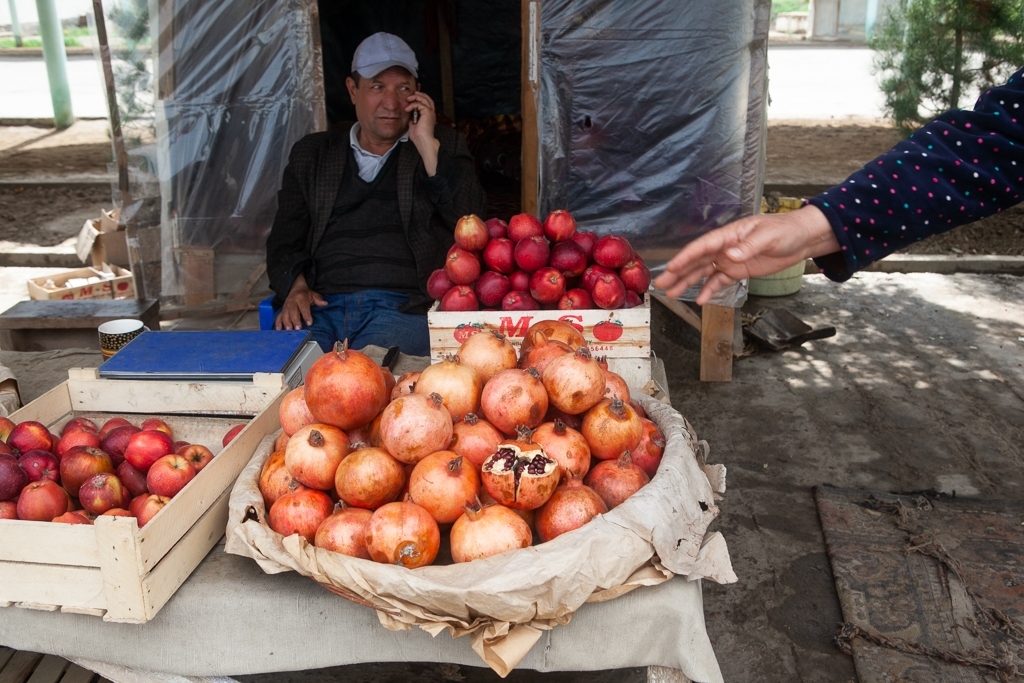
(496, 449)
(527, 265)
(117, 469)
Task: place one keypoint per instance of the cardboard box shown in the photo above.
(111, 248)
(623, 335)
(113, 568)
(120, 286)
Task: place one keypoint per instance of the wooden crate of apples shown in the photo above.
(497, 449)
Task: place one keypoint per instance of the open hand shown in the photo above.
(298, 305)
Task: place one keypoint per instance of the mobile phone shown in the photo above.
(415, 116)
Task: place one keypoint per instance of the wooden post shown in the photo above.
(447, 85)
(530, 87)
(716, 341)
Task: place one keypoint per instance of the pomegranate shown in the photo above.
(554, 329)
(527, 516)
(518, 301)
(615, 387)
(638, 408)
(547, 285)
(540, 351)
(569, 259)
(499, 255)
(572, 421)
(458, 385)
(300, 512)
(13, 477)
(294, 413)
(496, 228)
(616, 480)
(345, 532)
(485, 531)
(402, 533)
(564, 445)
(610, 428)
(519, 475)
(520, 281)
(412, 427)
(524, 225)
(591, 274)
(462, 267)
(442, 484)
(612, 251)
(491, 288)
(572, 505)
(559, 226)
(575, 299)
(405, 384)
(586, 242)
(276, 480)
(368, 478)
(608, 292)
(475, 439)
(635, 276)
(438, 284)
(513, 398)
(532, 253)
(489, 352)
(345, 388)
(647, 454)
(313, 454)
(460, 298)
(575, 382)
(389, 381)
(471, 233)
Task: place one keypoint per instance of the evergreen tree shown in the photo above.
(932, 54)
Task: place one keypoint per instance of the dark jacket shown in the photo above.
(429, 207)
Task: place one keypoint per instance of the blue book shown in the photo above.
(205, 355)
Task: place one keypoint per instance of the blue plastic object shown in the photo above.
(267, 313)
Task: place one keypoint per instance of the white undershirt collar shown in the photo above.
(368, 162)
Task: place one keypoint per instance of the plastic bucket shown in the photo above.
(785, 282)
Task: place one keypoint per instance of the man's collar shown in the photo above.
(353, 138)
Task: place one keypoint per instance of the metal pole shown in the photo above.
(56, 62)
(15, 24)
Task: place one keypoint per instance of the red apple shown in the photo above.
(80, 465)
(518, 301)
(112, 424)
(156, 424)
(532, 253)
(199, 456)
(608, 292)
(559, 226)
(76, 436)
(591, 274)
(547, 285)
(6, 450)
(116, 441)
(30, 436)
(43, 500)
(117, 512)
(496, 228)
(459, 298)
(461, 266)
(103, 492)
(568, 258)
(586, 241)
(524, 225)
(491, 288)
(520, 281)
(438, 284)
(612, 251)
(73, 517)
(168, 475)
(499, 255)
(146, 447)
(6, 425)
(79, 423)
(137, 503)
(232, 433)
(149, 507)
(40, 464)
(576, 299)
(471, 233)
(635, 276)
(13, 477)
(8, 510)
(132, 479)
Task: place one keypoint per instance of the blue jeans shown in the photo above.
(369, 317)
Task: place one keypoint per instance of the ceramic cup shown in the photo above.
(114, 334)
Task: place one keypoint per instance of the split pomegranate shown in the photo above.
(496, 228)
(405, 384)
(547, 285)
(486, 531)
(368, 478)
(647, 454)
(519, 475)
(345, 532)
(518, 301)
(572, 505)
(514, 398)
(499, 255)
(443, 484)
(402, 533)
(612, 251)
(616, 480)
(564, 445)
(491, 288)
(301, 512)
(559, 226)
(313, 454)
(575, 382)
(532, 253)
(345, 388)
(412, 427)
(458, 385)
(294, 413)
(524, 225)
(460, 298)
(471, 233)
(610, 428)
(489, 352)
(475, 439)
(540, 351)
(554, 329)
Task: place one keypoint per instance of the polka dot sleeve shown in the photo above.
(960, 167)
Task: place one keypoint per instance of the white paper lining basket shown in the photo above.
(658, 532)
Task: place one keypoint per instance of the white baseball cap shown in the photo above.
(382, 51)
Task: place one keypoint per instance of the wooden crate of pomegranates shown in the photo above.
(120, 488)
(508, 276)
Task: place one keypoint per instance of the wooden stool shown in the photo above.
(46, 325)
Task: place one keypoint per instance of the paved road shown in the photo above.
(805, 82)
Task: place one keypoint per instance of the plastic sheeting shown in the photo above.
(651, 115)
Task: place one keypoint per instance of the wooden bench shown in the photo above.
(47, 325)
(32, 667)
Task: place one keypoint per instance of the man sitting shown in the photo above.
(367, 212)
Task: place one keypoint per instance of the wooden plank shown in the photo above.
(48, 408)
(50, 670)
(78, 313)
(38, 606)
(5, 656)
(89, 611)
(76, 674)
(447, 82)
(716, 340)
(48, 543)
(122, 568)
(165, 397)
(687, 314)
(530, 79)
(32, 585)
(20, 667)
